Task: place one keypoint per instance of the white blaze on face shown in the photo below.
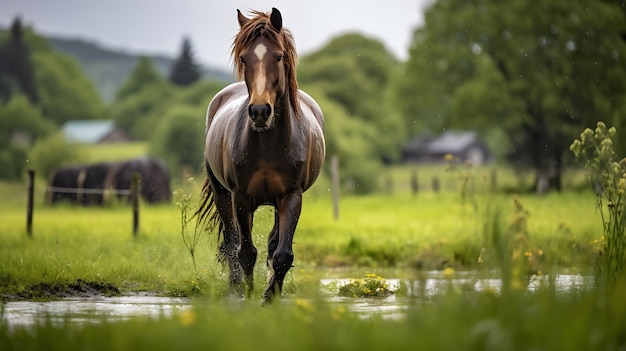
(260, 51)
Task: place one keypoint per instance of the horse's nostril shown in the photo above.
(259, 111)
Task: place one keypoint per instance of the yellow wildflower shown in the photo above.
(187, 318)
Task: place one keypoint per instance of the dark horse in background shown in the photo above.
(264, 146)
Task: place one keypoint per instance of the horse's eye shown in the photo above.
(279, 58)
(242, 60)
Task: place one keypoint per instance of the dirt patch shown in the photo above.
(79, 288)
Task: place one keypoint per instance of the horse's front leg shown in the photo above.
(228, 247)
(288, 209)
(244, 212)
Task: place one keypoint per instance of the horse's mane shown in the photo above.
(260, 25)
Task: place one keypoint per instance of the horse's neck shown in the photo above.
(283, 113)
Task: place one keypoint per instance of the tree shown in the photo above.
(66, 93)
(553, 67)
(16, 71)
(185, 71)
(179, 139)
(355, 72)
(349, 139)
(141, 100)
(143, 76)
(21, 125)
(52, 152)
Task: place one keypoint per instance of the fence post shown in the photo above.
(334, 171)
(414, 182)
(436, 184)
(29, 202)
(135, 190)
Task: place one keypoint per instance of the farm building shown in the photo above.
(463, 144)
(94, 132)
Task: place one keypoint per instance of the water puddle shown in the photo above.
(431, 284)
(86, 311)
(94, 310)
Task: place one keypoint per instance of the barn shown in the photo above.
(94, 132)
(463, 144)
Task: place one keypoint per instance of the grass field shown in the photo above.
(394, 230)
(429, 231)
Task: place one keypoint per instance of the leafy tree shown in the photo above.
(53, 152)
(141, 100)
(349, 139)
(185, 70)
(65, 91)
(179, 139)
(21, 124)
(143, 76)
(355, 72)
(139, 113)
(16, 71)
(539, 76)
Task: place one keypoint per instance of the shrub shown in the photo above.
(607, 176)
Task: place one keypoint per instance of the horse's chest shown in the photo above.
(267, 181)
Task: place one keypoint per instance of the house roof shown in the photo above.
(452, 142)
(89, 132)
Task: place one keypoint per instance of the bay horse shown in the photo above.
(264, 145)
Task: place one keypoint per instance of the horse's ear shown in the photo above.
(241, 18)
(276, 19)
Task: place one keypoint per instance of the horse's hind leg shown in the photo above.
(272, 244)
(272, 240)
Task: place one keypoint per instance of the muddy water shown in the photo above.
(422, 290)
(85, 311)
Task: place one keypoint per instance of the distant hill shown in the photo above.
(109, 68)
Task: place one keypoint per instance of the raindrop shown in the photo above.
(476, 49)
(570, 45)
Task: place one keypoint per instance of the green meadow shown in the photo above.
(394, 234)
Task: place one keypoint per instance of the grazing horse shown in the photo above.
(264, 146)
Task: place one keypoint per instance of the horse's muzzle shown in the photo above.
(259, 114)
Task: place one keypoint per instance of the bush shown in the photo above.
(53, 152)
(180, 138)
(13, 162)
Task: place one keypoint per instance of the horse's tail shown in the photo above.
(207, 216)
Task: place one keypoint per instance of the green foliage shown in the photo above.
(608, 179)
(185, 71)
(183, 199)
(52, 152)
(143, 77)
(66, 93)
(480, 64)
(139, 113)
(355, 71)
(370, 286)
(21, 124)
(16, 71)
(350, 140)
(179, 138)
(13, 161)
(18, 116)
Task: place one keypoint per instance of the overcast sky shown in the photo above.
(158, 26)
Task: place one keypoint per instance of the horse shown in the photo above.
(264, 145)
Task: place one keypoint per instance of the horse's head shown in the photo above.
(264, 56)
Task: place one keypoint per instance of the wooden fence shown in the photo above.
(134, 192)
